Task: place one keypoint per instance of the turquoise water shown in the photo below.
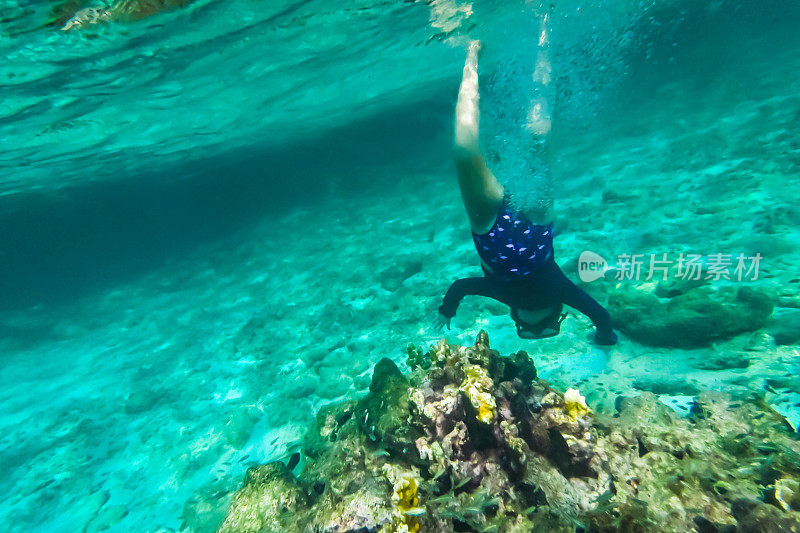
(216, 219)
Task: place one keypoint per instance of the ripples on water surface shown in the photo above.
(215, 76)
(115, 100)
(134, 330)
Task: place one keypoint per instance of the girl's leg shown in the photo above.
(481, 192)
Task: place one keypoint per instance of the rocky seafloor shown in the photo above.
(471, 440)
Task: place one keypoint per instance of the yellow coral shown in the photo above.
(405, 491)
(405, 494)
(575, 405)
(478, 387)
(405, 498)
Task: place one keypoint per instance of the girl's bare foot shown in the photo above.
(475, 47)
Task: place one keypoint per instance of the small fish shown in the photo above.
(479, 497)
(445, 498)
(416, 511)
(462, 483)
(578, 524)
(604, 498)
(380, 453)
(492, 502)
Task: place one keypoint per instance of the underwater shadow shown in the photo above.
(59, 246)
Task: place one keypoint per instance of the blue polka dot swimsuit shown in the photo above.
(524, 276)
(514, 247)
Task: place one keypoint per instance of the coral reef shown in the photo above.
(473, 441)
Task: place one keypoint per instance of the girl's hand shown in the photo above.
(441, 321)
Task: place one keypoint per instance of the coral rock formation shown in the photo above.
(472, 441)
(685, 316)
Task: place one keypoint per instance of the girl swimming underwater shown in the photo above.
(516, 253)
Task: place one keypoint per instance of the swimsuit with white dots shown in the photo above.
(514, 247)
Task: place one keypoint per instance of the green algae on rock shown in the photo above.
(472, 441)
(688, 317)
